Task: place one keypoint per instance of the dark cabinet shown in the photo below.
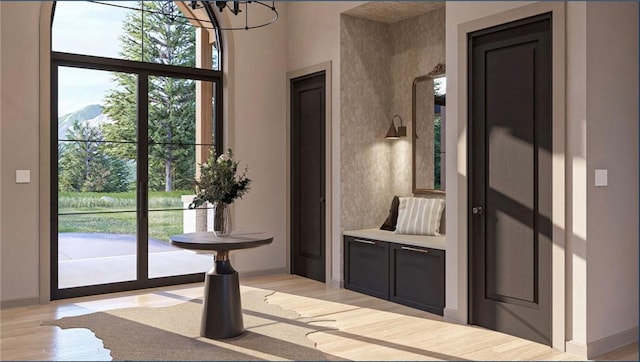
(417, 277)
(405, 274)
(367, 266)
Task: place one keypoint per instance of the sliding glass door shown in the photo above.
(97, 211)
(171, 152)
(124, 157)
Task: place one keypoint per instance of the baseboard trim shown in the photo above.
(336, 283)
(19, 303)
(607, 344)
(577, 348)
(452, 315)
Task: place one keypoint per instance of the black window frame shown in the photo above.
(143, 70)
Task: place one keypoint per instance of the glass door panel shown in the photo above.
(96, 248)
(166, 260)
(97, 203)
(127, 158)
(174, 144)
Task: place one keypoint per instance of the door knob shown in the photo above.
(477, 210)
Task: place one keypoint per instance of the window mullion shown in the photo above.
(143, 177)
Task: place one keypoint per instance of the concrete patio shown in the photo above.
(96, 258)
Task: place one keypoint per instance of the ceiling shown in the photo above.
(390, 12)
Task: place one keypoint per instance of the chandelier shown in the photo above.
(268, 12)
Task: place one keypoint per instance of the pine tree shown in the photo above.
(157, 38)
(85, 167)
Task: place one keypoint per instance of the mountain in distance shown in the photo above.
(91, 114)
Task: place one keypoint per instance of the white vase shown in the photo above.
(221, 219)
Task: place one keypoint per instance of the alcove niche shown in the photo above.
(384, 46)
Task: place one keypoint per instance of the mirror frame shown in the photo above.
(438, 71)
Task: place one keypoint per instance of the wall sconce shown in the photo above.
(392, 133)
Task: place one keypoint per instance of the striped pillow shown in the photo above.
(419, 216)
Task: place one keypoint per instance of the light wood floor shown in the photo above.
(350, 326)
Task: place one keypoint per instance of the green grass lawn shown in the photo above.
(92, 212)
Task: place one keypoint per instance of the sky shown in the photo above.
(85, 28)
(441, 85)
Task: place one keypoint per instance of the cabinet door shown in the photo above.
(366, 266)
(417, 277)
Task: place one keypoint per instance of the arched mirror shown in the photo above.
(428, 147)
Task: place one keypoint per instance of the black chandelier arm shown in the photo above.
(206, 5)
(272, 8)
(246, 22)
(211, 15)
(221, 5)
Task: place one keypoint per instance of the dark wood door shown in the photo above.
(308, 176)
(510, 178)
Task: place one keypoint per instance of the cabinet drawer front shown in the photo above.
(367, 266)
(417, 277)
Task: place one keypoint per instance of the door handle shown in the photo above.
(361, 241)
(477, 210)
(425, 251)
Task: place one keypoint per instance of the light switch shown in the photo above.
(23, 176)
(601, 178)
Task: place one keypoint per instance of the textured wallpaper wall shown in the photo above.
(365, 52)
(417, 47)
(379, 63)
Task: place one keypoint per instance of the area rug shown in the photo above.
(173, 333)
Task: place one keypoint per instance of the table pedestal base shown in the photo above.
(222, 308)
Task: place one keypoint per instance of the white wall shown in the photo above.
(576, 250)
(19, 118)
(612, 143)
(313, 36)
(255, 114)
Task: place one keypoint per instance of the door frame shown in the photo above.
(44, 163)
(461, 262)
(326, 67)
(142, 71)
(478, 170)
